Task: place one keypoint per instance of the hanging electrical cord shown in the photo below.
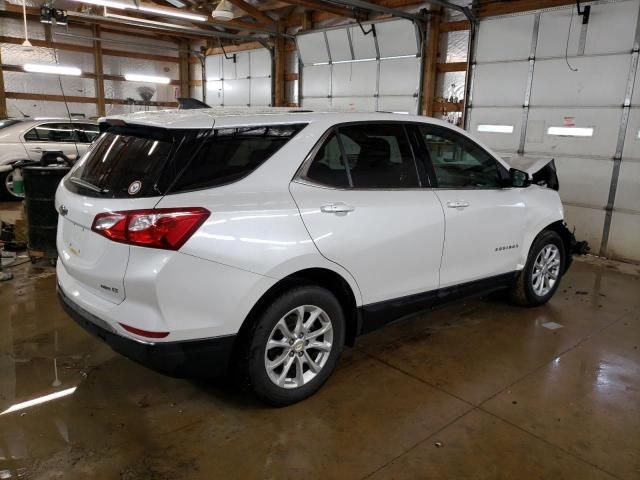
(566, 50)
(64, 98)
(233, 57)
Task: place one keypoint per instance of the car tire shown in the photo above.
(5, 192)
(539, 279)
(282, 338)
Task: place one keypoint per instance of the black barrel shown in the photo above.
(40, 184)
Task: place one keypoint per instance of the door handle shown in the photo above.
(337, 207)
(36, 149)
(458, 204)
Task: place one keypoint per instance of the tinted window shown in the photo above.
(52, 132)
(87, 132)
(377, 156)
(327, 167)
(457, 161)
(232, 153)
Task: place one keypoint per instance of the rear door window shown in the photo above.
(87, 132)
(52, 132)
(229, 154)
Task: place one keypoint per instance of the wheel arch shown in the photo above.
(559, 227)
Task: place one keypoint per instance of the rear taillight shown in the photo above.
(166, 228)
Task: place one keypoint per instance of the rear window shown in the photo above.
(232, 153)
(142, 162)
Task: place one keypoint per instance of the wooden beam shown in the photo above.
(445, 107)
(234, 48)
(253, 11)
(430, 53)
(322, 7)
(455, 26)
(289, 77)
(307, 20)
(99, 72)
(280, 62)
(140, 55)
(93, 76)
(81, 99)
(184, 69)
(452, 67)
(3, 96)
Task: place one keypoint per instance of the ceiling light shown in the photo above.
(148, 22)
(55, 69)
(224, 11)
(134, 77)
(164, 11)
(570, 131)
(109, 3)
(495, 128)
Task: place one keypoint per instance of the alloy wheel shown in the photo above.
(546, 270)
(299, 346)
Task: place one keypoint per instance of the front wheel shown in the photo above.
(295, 345)
(539, 279)
(6, 187)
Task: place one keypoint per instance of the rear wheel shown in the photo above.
(295, 345)
(539, 279)
(6, 187)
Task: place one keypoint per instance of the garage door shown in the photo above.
(354, 69)
(548, 84)
(239, 79)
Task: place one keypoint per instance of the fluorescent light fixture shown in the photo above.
(55, 69)
(488, 128)
(570, 131)
(39, 400)
(134, 77)
(148, 9)
(638, 134)
(148, 22)
(177, 14)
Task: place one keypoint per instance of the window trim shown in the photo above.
(502, 171)
(301, 174)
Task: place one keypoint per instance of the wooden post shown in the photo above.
(280, 62)
(3, 96)
(184, 69)
(307, 20)
(430, 53)
(99, 71)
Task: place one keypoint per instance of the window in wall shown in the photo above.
(458, 162)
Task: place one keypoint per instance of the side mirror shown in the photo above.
(518, 178)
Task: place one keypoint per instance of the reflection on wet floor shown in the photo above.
(479, 389)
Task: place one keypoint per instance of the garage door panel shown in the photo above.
(316, 81)
(632, 139)
(588, 223)
(261, 91)
(339, 48)
(511, 117)
(398, 104)
(354, 104)
(397, 37)
(623, 237)
(354, 79)
(505, 38)
(604, 121)
(236, 92)
(500, 84)
(318, 104)
(312, 48)
(399, 76)
(213, 67)
(628, 192)
(363, 45)
(242, 65)
(552, 33)
(260, 63)
(600, 38)
(214, 93)
(576, 173)
(599, 81)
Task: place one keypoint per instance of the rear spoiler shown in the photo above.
(188, 103)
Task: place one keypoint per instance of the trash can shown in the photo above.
(40, 184)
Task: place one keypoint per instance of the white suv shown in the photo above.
(28, 139)
(260, 244)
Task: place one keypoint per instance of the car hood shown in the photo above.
(527, 164)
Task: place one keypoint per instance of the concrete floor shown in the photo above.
(476, 390)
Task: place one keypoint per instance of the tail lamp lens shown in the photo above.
(165, 228)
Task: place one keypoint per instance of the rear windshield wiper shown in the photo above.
(87, 185)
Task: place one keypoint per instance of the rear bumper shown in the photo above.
(195, 358)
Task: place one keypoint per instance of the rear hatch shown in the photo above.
(127, 168)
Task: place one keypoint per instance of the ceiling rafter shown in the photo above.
(326, 7)
(253, 11)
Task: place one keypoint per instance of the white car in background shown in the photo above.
(28, 139)
(260, 244)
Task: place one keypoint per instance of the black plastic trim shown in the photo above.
(195, 358)
(376, 315)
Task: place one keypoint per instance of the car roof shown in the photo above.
(233, 117)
